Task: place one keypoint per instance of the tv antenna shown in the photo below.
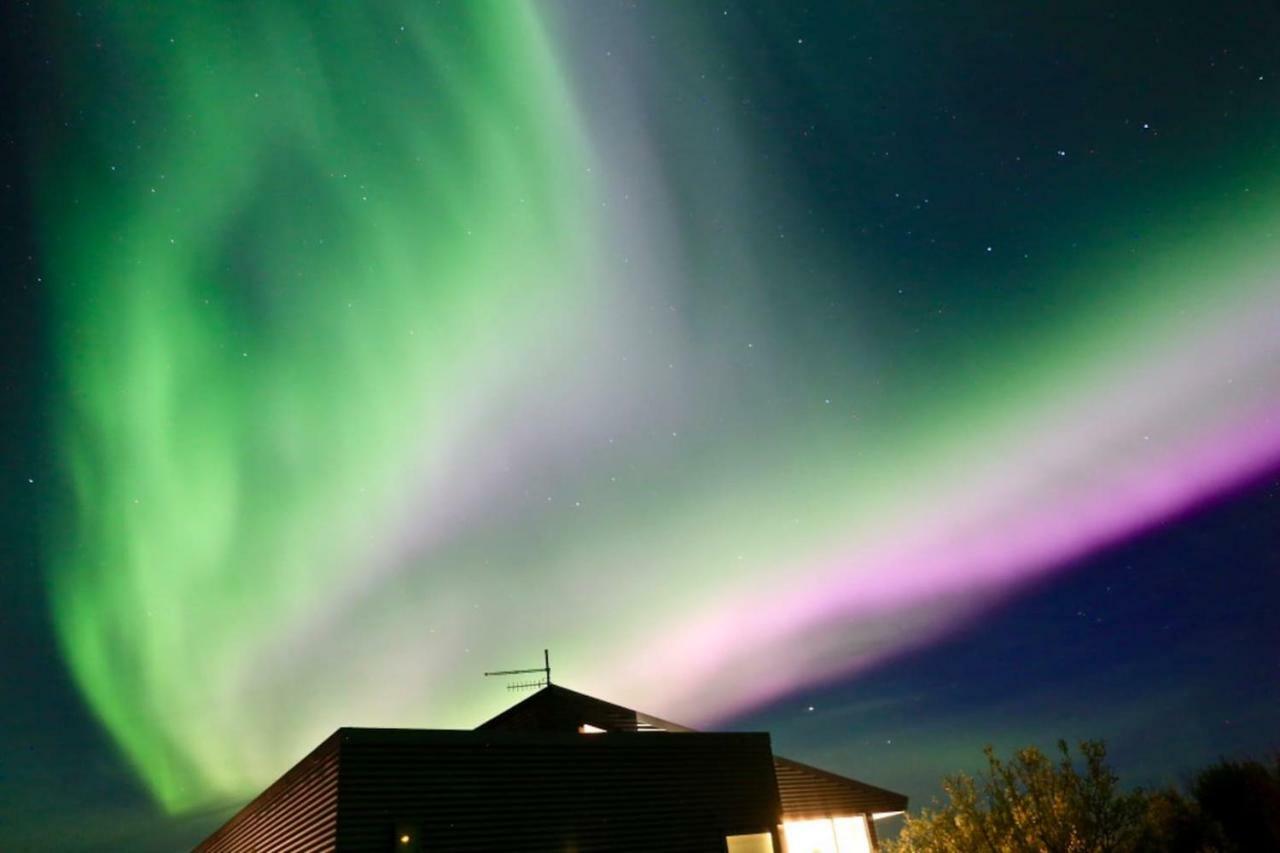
(544, 670)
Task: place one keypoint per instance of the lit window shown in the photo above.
(828, 835)
(588, 729)
(760, 842)
(811, 836)
(852, 834)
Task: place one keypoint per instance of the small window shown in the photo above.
(759, 842)
(588, 729)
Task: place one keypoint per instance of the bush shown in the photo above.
(1032, 803)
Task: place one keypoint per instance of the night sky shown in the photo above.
(897, 378)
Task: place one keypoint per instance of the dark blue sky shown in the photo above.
(1166, 647)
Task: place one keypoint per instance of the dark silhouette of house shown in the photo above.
(560, 771)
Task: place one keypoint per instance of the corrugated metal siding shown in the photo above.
(534, 792)
(808, 792)
(299, 812)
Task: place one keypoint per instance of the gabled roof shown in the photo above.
(559, 789)
(806, 792)
(558, 709)
(809, 792)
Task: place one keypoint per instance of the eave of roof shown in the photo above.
(809, 792)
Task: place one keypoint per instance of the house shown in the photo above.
(559, 771)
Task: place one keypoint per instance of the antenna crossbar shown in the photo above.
(544, 670)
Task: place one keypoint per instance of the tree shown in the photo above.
(1239, 803)
(1176, 825)
(1032, 805)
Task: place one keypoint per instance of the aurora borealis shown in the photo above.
(729, 352)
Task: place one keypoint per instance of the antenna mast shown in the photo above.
(545, 670)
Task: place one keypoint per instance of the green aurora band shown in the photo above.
(371, 378)
(209, 430)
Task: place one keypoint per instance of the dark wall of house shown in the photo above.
(553, 792)
(297, 813)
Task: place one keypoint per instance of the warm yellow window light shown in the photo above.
(828, 835)
(852, 835)
(588, 729)
(756, 842)
(810, 836)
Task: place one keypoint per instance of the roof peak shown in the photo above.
(559, 708)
